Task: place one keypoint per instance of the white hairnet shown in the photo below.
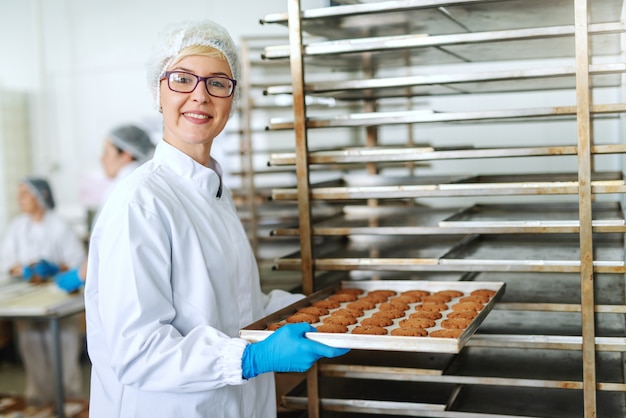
(133, 140)
(176, 37)
(41, 190)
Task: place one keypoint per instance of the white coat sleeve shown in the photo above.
(135, 307)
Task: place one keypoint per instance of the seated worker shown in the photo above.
(39, 244)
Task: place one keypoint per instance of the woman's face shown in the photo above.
(195, 119)
(26, 200)
(112, 159)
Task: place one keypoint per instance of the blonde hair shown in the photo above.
(202, 50)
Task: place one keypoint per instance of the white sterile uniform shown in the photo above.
(171, 279)
(121, 175)
(27, 242)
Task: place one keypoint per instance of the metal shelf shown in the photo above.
(514, 80)
(522, 253)
(441, 16)
(554, 345)
(543, 218)
(434, 116)
(396, 154)
(406, 187)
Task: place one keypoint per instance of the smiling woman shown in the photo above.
(171, 275)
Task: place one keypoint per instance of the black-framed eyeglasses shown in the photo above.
(184, 82)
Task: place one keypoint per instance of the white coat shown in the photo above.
(171, 279)
(27, 242)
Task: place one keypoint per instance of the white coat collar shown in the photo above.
(207, 178)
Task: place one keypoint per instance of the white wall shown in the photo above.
(82, 65)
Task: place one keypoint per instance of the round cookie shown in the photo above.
(393, 314)
(348, 312)
(332, 328)
(462, 314)
(449, 293)
(377, 321)
(344, 297)
(406, 299)
(375, 297)
(417, 323)
(415, 292)
(384, 292)
(436, 299)
(446, 333)
(351, 290)
(426, 314)
(339, 319)
(314, 310)
(409, 332)
(475, 298)
(393, 306)
(274, 326)
(431, 306)
(467, 306)
(361, 304)
(372, 330)
(487, 292)
(326, 303)
(455, 323)
(302, 317)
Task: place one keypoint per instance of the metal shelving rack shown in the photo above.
(554, 346)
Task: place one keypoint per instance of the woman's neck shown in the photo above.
(37, 215)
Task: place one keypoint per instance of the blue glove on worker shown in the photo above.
(28, 272)
(44, 268)
(69, 281)
(286, 350)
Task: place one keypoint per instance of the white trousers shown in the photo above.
(36, 349)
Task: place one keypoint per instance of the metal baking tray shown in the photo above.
(257, 331)
(405, 16)
(523, 215)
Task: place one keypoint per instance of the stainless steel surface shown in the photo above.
(532, 79)
(257, 331)
(511, 44)
(538, 217)
(568, 306)
(20, 299)
(434, 116)
(442, 16)
(523, 253)
(384, 154)
(554, 214)
(424, 186)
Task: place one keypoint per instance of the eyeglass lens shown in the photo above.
(183, 82)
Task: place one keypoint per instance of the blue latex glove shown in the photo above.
(27, 273)
(286, 350)
(69, 280)
(44, 268)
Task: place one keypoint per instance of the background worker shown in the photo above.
(38, 244)
(125, 148)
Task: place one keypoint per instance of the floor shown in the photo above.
(12, 382)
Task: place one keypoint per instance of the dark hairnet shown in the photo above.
(133, 140)
(41, 190)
